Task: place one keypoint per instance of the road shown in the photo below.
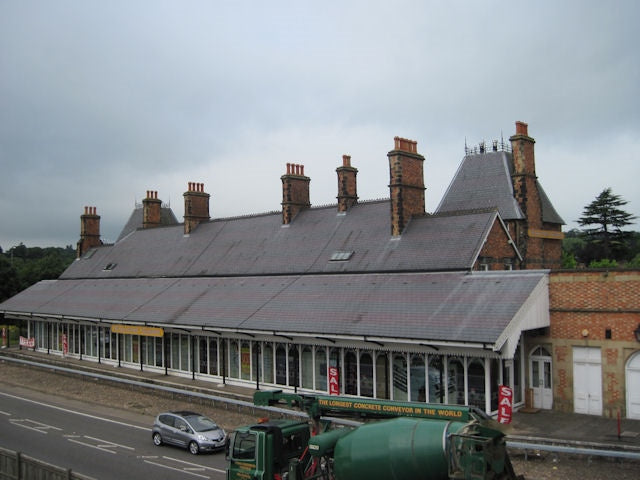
(101, 443)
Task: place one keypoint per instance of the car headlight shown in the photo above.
(201, 437)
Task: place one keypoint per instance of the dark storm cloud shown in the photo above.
(101, 101)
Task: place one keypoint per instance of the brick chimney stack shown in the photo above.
(539, 242)
(89, 231)
(196, 206)
(406, 184)
(347, 187)
(151, 207)
(295, 192)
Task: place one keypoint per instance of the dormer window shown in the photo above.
(341, 255)
(109, 266)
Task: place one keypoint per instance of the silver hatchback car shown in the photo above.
(189, 430)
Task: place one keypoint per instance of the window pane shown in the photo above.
(456, 381)
(351, 373)
(399, 378)
(213, 356)
(294, 373)
(436, 379)
(382, 376)
(321, 369)
(281, 365)
(418, 389)
(245, 359)
(234, 359)
(366, 375)
(267, 359)
(307, 368)
(476, 384)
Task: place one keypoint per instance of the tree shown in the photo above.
(9, 283)
(606, 239)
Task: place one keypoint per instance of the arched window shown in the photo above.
(399, 377)
(307, 367)
(366, 375)
(436, 379)
(456, 380)
(476, 383)
(202, 354)
(321, 369)
(294, 366)
(267, 360)
(382, 376)
(213, 356)
(245, 361)
(336, 361)
(281, 365)
(351, 373)
(418, 383)
(234, 359)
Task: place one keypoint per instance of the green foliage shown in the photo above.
(604, 263)
(568, 260)
(634, 262)
(21, 267)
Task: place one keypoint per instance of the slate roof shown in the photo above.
(167, 217)
(483, 181)
(262, 245)
(430, 307)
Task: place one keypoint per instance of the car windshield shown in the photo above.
(201, 423)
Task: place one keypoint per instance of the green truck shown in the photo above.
(391, 440)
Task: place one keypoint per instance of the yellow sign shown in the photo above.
(137, 330)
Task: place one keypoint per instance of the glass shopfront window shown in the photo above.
(399, 377)
(418, 379)
(476, 383)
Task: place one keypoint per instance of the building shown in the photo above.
(366, 298)
(588, 361)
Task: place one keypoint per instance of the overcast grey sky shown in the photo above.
(102, 101)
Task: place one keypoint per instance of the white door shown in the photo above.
(540, 378)
(587, 380)
(633, 387)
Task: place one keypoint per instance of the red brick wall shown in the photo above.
(497, 248)
(583, 306)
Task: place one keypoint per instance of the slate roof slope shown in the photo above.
(549, 213)
(261, 245)
(425, 307)
(482, 181)
(167, 217)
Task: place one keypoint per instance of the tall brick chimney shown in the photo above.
(295, 192)
(539, 242)
(406, 184)
(347, 187)
(151, 207)
(89, 231)
(196, 206)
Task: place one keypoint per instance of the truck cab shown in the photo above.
(263, 451)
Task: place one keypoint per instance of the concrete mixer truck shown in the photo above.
(390, 440)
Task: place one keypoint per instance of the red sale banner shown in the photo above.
(505, 404)
(334, 383)
(27, 342)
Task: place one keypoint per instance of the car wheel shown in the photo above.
(194, 448)
(157, 439)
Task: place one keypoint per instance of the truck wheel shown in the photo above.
(157, 439)
(194, 448)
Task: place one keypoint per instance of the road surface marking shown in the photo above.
(74, 412)
(97, 443)
(33, 425)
